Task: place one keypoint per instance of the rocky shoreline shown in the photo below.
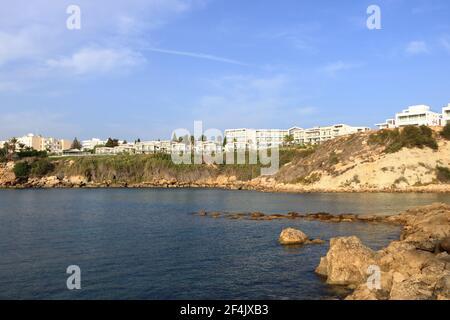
(8, 181)
(416, 267)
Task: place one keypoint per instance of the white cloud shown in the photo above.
(445, 42)
(96, 60)
(305, 111)
(417, 47)
(197, 55)
(248, 101)
(18, 45)
(334, 68)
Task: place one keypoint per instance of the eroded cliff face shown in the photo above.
(415, 267)
(346, 164)
(7, 176)
(352, 164)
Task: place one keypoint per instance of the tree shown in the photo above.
(224, 141)
(174, 137)
(111, 143)
(288, 139)
(76, 144)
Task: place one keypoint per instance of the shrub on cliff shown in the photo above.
(446, 132)
(443, 174)
(22, 170)
(407, 137)
(41, 167)
(3, 155)
(28, 153)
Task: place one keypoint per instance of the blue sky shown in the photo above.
(145, 68)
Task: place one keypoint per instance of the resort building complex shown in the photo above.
(233, 139)
(417, 116)
(266, 138)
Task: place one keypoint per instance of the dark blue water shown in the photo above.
(146, 244)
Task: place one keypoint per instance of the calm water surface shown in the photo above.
(146, 244)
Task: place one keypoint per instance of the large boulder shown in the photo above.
(292, 236)
(445, 245)
(347, 262)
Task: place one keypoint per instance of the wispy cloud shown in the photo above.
(445, 43)
(19, 45)
(198, 56)
(417, 47)
(96, 60)
(248, 101)
(305, 111)
(334, 68)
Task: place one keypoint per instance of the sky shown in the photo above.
(142, 69)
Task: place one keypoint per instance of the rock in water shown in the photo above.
(292, 236)
(346, 262)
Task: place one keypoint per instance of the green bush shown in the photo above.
(22, 170)
(443, 174)
(3, 155)
(408, 137)
(446, 132)
(31, 153)
(41, 167)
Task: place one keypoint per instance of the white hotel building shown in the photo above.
(446, 115)
(266, 138)
(91, 144)
(416, 116)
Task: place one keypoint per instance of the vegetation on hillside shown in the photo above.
(407, 137)
(446, 132)
(141, 168)
(443, 174)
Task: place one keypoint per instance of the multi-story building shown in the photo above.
(250, 138)
(240, 138)
(207, 147)
(417, 116)
(388, 124)
(267, 138)
(31, 141)
(321, 134)
(92, 143)
(53, 145)
(446, 115)
(254, 138)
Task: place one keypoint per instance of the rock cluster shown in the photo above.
(415, 267)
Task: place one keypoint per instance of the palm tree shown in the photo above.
(288, 139)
